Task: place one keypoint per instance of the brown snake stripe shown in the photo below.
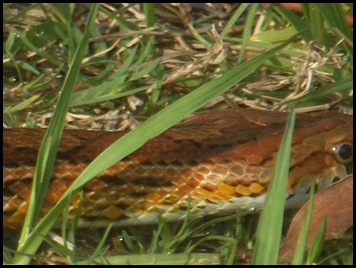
(221, 160)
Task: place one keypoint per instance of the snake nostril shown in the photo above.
(336, 179)
(343, 152)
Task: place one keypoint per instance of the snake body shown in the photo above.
(215, 162)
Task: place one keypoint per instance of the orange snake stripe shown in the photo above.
(221, 160)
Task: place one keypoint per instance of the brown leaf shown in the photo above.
(335, 203)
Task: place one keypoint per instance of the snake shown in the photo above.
(215, 162)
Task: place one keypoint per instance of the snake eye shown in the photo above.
(343, 152)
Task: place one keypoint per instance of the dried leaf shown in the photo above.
(335, 203)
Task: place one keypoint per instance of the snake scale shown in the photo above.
(219, 162)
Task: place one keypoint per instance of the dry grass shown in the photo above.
(141, 58)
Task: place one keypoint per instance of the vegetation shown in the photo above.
(109, 66)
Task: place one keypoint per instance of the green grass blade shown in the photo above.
(316, 24)
(169, 116)
(49, 146)
(341, 86)
(334, 15)
(269, 228)
(297, 23)
(242, 7)
(304, 230)
(152, 127)
(248, 29)
(317, 244)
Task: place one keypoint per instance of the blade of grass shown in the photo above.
(152, 127)
(269, 228)
(171, 115)
(316, 24)
(317, 244)
(297, 23)
(33, 48)
(247, 29)
(98, 251)
(49, 145)
(335, 17)
(303, 235)
(162, 259)
(242, 7)
(340, 86)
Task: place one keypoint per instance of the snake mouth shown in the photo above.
(301, 191)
